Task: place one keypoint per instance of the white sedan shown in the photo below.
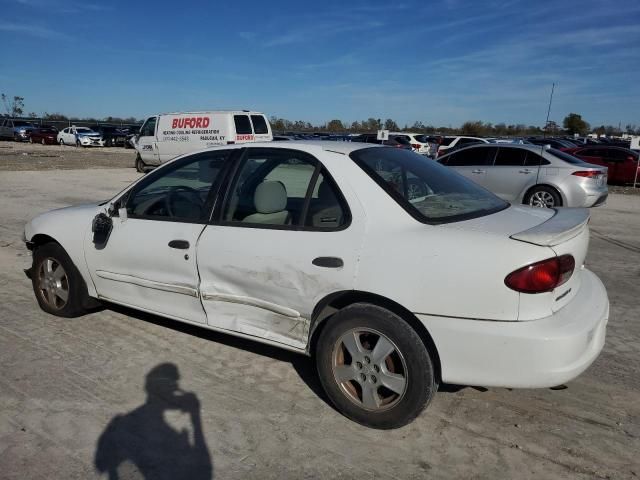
(80, 137)
(324, 249)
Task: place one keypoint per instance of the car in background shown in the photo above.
(450, 143)
(44, 134)
(80, 137)
(397, 141)
(419, 142)
(131, 131)
(17, 130)
(112, 136)
(621, 163)
(557, 143)
(527, 174)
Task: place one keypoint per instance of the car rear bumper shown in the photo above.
(524, 354)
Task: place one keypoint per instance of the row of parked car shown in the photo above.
(94, 135)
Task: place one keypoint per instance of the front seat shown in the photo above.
(270, 200)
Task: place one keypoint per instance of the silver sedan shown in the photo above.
(535, 175)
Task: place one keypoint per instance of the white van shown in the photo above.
(165, 136)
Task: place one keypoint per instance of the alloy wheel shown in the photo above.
(542, 199)
(370, 369)
(53, 283)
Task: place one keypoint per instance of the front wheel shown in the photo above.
(61, 142)
(43, 141)
(140, 165)
(59, 287)
(374, 367)
(543, 197)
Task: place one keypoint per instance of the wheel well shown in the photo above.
(40, 239)
(339, 300)
(524, 197)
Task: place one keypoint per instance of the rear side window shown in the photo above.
(511, 157)
(259, 124)
(472, 157)
(243, 125)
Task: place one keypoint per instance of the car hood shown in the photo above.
(507, 222)
(94, 134)
(61, 218)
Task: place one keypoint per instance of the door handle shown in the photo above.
(179, 244)
(478, 171)
(526, 170)
(328, 262)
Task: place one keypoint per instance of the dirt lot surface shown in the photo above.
(25, 156)
(63, 382)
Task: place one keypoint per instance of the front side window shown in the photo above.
(428, 191)
(183, 193)
(284, 188)
(149, 127)
(471, 157)
(259, 124)
(243, 125)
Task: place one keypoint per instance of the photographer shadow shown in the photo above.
(142, 444)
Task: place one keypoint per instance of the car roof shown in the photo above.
(534, 148)
(344, 148)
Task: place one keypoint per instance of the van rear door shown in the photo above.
(261, 128)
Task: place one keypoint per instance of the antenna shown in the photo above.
(553, 86)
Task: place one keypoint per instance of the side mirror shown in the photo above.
(101, 228)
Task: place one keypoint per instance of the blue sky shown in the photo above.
(441, 62)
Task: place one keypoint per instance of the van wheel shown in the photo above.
(59, 287)
(374, 367)
(543, 197)
(140, 165)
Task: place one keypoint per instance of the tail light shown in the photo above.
(416, 146)
(541, 276)
(587, 173)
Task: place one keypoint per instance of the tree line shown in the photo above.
(571, 124)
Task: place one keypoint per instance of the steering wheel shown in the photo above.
(172, 195)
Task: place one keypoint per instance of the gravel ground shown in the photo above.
(25, 156)
(263, 416)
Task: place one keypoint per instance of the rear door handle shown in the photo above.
(179, 244)
(328, 262)
(478, 171)
(526, 170)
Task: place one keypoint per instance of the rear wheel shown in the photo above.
(61, 142)
(30, 140)
(374, 367)
(59, 287)
(543, 197)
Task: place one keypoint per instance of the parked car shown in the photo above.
(17, 130)
(44, 134)
(451, 143)
(393, 141)
(317, 248)
(557, 143)
(80, 137)
(418, 141)
(621, 163)
(537, 176)
(112, 136)
(131, 136)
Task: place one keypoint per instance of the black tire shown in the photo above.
(140, 165)
(77, 296)
(43, 141)
(416, 367)
(16, 138)
(78, 144)
(543, 196)
(30, 140)
(61, 142)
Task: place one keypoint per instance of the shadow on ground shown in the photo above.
(142, 444)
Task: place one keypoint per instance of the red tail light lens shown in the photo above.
(587, 173)
(542, 276)
(416, 146)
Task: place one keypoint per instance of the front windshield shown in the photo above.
(84, 130)
(22, 124)
(430, 192)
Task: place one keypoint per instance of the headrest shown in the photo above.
(270, 197)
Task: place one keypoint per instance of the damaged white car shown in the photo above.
(393, 272)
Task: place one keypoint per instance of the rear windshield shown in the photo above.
(259, 124)
(422, 138)
(401, 139)
(430, 192)
(446, 140)
(565, 156)
(22, 124)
